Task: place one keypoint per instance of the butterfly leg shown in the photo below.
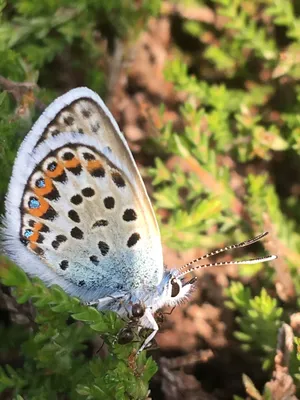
(91, 303)
(99, 303)
(105, 302)
(148, 322)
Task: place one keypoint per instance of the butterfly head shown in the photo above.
(178, 289)
(172, 290)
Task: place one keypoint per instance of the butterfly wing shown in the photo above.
(77, 212)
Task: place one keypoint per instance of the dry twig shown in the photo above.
(282, 386)
(23, 93)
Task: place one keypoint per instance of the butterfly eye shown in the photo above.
(175, 287)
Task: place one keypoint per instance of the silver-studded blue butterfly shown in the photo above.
(78, 214)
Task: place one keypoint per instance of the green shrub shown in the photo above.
(54, 348)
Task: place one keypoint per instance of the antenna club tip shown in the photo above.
(263, 234)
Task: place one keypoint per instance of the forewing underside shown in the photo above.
(89, 116)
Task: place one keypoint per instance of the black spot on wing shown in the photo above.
(69, 120)
(55, 244)
(62, 178)
(118, 179)
(50, 214)
(100, 222)
(86, 113)
(64, 264)
(103, 247)
(94, 260)
(129, 215)
(40, 238)
(134, 238)
(98, 172)
(53, 195)
(61, 238)
(67, 156)
(73, 215)
(55, 132)
(76, 199)
(45, 229)
(109, 202)
(88, 192)
(75, 170)
(77, 233)
(88, 156)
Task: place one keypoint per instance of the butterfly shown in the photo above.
(78, 214)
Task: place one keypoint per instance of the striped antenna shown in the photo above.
(218, 264)
(233, 246)
(226, 248)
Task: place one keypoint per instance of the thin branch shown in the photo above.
(22, 92)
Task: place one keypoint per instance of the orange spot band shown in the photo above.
(41, 210)
(46, 189)
(72, 163)
(94, 164)
(57, 172)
